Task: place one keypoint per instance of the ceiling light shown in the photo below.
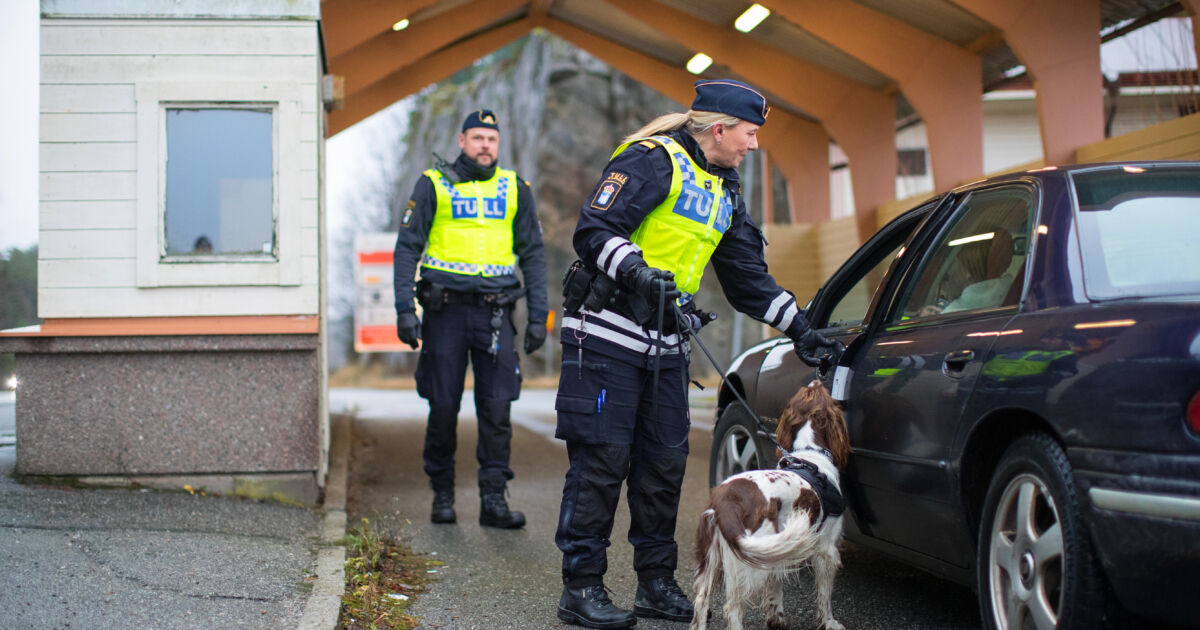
(401, 25)
(699, 63)
(751, 17)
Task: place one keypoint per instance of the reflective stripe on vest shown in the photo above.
(472, 231)
(680, 234)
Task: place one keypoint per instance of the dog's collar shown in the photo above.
(832, 501)
(822, 451)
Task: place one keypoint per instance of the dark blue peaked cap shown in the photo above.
(480, 118)
(731, 97)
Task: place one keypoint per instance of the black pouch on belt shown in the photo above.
(576, 284)
(431, 296)
(515, 294)
(598, 294)
(507, 296)
(639, 309)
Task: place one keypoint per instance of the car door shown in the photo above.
(913, 370)
(839, 308)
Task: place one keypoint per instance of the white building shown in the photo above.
(180, 246)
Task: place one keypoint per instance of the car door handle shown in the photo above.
(955, 362)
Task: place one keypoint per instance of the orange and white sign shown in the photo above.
(375, 307)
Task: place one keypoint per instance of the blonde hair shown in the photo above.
(696, 123)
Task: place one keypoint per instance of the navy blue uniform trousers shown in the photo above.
(616, 434)
(451, 336)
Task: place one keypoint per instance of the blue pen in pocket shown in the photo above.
(600, 398)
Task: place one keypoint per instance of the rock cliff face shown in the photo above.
(561, 113)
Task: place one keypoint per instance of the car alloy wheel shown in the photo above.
(1025, 556)
(1036, 567)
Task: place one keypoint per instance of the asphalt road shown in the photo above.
(129, 558)
(510, 579)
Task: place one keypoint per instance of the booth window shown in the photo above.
(220, 191)
(219, 183)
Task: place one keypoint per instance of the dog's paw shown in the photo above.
(832, 624)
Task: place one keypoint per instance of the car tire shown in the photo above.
(736, 446)
(1035, 562)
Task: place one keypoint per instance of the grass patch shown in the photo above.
(382, 581)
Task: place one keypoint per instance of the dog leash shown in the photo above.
(832, 501)
(763, 430)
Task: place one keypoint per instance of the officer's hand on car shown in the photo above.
(651, 282)
(817, 350)
(535, 336)
(408, 329)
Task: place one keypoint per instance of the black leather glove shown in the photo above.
(817, 350)
(648, 282)
(535, 336)
(698, 319)
(408, 329)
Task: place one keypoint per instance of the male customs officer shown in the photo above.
(473, 221)
(669, 202)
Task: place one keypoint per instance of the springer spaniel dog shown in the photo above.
(762, 524)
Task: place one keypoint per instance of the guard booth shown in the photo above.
(180, 249)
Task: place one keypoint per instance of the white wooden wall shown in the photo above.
(1138, 108)
(90, 70)
(1011, 135)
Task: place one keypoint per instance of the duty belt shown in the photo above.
(434, 296)
(478, 299)
(586, 288)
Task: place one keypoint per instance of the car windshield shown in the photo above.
(1138, 229)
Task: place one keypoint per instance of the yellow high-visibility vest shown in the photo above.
(472, 231)
(680, 234)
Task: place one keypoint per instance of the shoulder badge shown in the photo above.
(406, 219)
(648, 144)
(608, 190)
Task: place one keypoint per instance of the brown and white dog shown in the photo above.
(762, 524)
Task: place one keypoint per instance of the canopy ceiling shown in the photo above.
(842, 71)
(380, 65)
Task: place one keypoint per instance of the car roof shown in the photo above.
(1046, 172)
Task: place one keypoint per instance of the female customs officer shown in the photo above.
(669, 202)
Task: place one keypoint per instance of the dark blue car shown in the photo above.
(1022, 389)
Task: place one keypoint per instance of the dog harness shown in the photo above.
(832, 501)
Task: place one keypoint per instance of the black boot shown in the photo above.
(590, 607)
(494, 512)
(443, 507)
(661, 597)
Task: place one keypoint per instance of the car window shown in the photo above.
(978, 262)
(851, 289)
(851, 309)
(1138, 230)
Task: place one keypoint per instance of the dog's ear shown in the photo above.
(838, 437)
(829, 422)
(790, 421)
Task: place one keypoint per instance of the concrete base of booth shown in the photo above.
(235, 414)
